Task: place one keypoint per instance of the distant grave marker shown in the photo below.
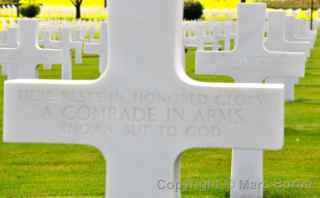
(22, 61)
(291, 31)
(100, 47)
(250, 62)
(277, 41)
(66, 43)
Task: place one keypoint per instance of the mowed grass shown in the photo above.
(43, 171)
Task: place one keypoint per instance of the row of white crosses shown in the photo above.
(88, 29)
(78, 46)
(22, 57)
(73, 38)
(251, 62)
(92, 45)
(196, 33)
(297, 30)
(66, 43)
(100, 47)
(145, 111)
(200, 35)
(278, 38)
(278, 41)
(67, 30)
(298, 38)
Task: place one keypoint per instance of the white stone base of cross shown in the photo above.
(289, 86)
(247, 174)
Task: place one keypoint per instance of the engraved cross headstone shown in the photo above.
(144, 111)
(250, 62)
(99, 47)
(23, 61)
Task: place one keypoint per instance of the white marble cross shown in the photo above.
(277, 40)
(65, 43)
(250, 62)
(291, 31)
(144, 111)
(22, 61)
(99, 47)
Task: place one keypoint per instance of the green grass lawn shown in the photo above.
(34, 170)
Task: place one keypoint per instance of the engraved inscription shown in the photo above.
(141, 113)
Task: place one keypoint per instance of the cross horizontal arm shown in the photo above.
(46, 114)
(51, 56)
(263, 63)
(194, 115)
(8, 55)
